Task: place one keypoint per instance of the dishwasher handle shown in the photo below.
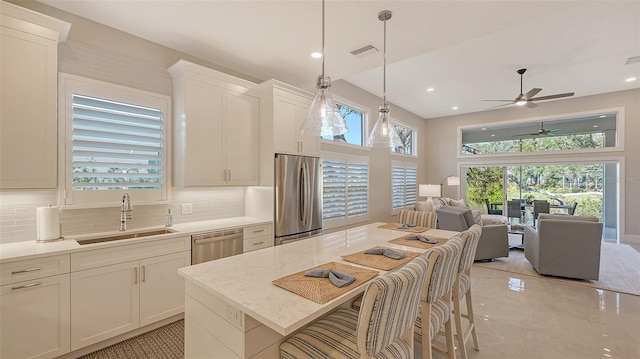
(215, 236)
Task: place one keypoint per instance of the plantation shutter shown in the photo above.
(404, 181)
(357, 189)
(115, 145)
(345, 188)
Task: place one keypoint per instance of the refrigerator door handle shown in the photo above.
(307, 192)
(302, 195)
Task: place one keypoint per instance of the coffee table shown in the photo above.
(519, 230)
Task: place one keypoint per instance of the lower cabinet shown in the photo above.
(115, 299)
(34, 318)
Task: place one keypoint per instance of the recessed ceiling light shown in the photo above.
(430, 89)
(603, 116)
(484, 129)
(454, 108)
(595, 126)
(493, 135)
(630, 79)
(316, 55)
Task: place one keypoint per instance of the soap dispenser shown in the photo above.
(168, 222)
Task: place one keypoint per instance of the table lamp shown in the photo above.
(429, 191)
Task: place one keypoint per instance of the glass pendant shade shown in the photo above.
(384, 133)
(323, 118)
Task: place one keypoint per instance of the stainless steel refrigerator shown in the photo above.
(298, 197)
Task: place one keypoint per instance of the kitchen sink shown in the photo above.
(128, 235)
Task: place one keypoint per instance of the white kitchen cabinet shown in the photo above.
(161, 288)
(216, 128)
(118, 289)
(283, 109)
(28, 93)
(257, 237)
(34, 318)
(104, 303)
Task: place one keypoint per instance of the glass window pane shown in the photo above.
(354, 119)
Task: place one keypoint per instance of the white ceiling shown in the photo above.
(467, 50)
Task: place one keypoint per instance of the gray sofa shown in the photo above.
(494, 241)
(565, 246)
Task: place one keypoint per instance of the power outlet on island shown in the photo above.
(187, 208)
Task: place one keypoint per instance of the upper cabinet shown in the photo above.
(28, 97)
(283, 109)
(216, 128)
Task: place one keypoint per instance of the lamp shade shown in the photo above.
(453, 181)
(384, 133)
(429, 190)
(324, 118)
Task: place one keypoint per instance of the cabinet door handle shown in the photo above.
(144, 274)
(135, 278)
(26, 286)
(258, 231)
(229, 176)
(26, 270)
(258, 243)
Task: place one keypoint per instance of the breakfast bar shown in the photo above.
(233, 310)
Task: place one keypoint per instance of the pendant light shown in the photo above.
(384, 133)
(323, 118)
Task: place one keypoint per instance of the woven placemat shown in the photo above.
(410, 229)
(417, 243)
(321, 290)
(380, 261)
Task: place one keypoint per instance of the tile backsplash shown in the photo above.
(18, 212)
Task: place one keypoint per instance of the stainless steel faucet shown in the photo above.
(125, 211)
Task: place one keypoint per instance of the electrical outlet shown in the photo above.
(187, 208)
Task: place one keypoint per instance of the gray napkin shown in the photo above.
(422, 239)
(338, 279)
(386, 252)
(406, 226)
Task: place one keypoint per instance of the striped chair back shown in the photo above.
(390, 307)
(419, 218)
(441, 275)
(471, 238)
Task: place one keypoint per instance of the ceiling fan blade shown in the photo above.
(505, 104)
(531, 93)
(527, 134)
(500, 100)
(530, 104)
(568, 94)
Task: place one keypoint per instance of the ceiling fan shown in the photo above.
(527, 99)
(541, 131)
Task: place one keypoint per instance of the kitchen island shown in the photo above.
(232, 309)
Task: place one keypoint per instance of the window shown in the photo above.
(404, 182)
(345, 189)
(593, 131)
(355, 120)
(408, 137)
(115, 143)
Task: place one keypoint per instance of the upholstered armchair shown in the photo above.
(564, 246)
(494, 241)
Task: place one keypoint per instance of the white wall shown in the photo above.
(441, 141)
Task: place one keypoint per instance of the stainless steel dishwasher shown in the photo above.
(215, 245)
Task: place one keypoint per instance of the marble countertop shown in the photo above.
(31, 249)
(244, 281)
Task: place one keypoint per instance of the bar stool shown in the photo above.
(378, 330)
(435, 300)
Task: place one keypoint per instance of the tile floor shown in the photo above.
(522, 317)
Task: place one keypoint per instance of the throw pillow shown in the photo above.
(477, 216)
(424, 206)
(457, 203)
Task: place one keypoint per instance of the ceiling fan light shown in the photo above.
(324, 118)
(521, 102)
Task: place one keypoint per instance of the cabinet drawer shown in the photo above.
(107, 256)
(256, 231)
(257, 243)
(34, 268)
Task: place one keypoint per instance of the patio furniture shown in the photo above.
(539, 206)
(514, 210)
(492, 207)
(572, 210)
(565, 246)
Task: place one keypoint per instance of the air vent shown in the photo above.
(633, 60)
(364, 51)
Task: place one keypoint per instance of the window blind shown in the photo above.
(345, 191)
(115, 145)
(404, 183)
